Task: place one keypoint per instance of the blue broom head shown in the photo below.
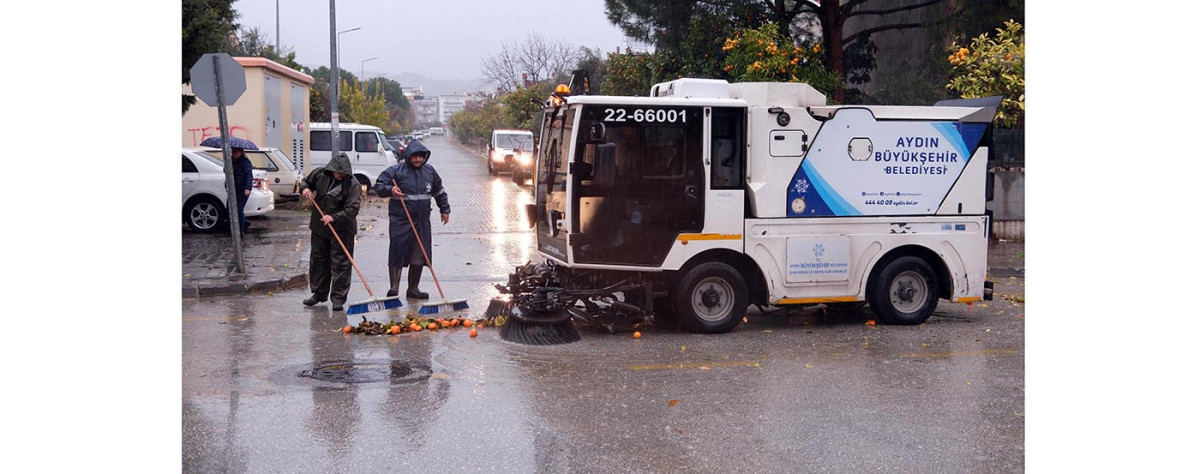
(443, 307)
(374, 305)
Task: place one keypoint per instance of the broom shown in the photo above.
(432, 307)
(372, 303)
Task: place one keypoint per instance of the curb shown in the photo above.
(227, 289)
(1006, 272)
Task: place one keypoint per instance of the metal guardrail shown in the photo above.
(1008, 148)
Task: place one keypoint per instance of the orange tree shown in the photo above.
(764, 55)
(993, 66)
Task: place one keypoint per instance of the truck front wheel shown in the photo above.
(905, 292)
(710, 298)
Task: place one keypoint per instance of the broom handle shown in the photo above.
(418, 236)
(347, 252)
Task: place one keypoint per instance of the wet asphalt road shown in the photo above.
(807, 392)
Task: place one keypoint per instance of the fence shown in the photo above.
(1008, 148)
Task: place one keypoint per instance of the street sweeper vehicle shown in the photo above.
(708, 196)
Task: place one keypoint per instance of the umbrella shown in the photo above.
(234, 142)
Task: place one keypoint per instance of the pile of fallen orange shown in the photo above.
(410, 324)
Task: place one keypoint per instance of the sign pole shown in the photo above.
(335, 81)
(234, 211)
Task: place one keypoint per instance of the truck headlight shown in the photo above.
(524, 159)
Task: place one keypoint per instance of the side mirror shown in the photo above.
(597, 133)
(531, 215)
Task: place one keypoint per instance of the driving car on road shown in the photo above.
(282, 175)
(204, 193)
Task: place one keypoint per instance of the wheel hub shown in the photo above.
(906, 291)
(710, 298)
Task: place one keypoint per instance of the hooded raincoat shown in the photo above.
(329, 266)
(421, 187)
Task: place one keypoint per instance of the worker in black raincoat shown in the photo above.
(414, 185)
(337, 191)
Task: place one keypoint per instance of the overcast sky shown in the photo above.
(442, 39)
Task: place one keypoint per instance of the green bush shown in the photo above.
(993, 66)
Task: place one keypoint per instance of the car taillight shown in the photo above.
(260, 184)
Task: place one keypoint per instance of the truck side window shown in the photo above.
(728, 147)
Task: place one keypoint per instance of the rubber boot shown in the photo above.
(414, 279)
(394, 280)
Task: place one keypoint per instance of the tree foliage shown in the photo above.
(632, 73)
(993, 66)
(473, 125)
(251, 42)
(360, 107)
(207, 26)
(673, 25)
(765, 55)
(520, 108)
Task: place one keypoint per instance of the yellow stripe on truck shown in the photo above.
(686, 237)
(835, 299)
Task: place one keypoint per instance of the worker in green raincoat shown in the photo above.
(337, 192)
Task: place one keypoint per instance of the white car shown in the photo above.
(282, 175)
(204, 193)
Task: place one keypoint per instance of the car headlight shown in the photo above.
(524, 159)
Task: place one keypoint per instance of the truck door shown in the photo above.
(550, 188)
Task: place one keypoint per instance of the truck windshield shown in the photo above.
(639, 182)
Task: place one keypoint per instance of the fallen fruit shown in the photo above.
(468, 322)
(414, 327)
(394, 330)
(637, 334)
(870, 322)
(432, 326)
(474, 333)
(347, 329)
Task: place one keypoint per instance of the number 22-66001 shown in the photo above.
(645, 115)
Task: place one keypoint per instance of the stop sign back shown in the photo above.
(204, 81)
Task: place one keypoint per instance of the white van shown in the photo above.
(365, 145)
(504, 149)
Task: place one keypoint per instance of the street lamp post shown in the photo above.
(339, 39)
(363, 69)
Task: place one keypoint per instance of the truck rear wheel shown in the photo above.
(905, 292)
(710, 298)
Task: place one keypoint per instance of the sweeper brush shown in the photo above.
(538, 310)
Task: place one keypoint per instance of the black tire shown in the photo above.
(204, 214)
(518, 176)
(905, 293)
(710, 298)
(491, 168)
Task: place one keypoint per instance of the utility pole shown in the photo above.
(334, 81)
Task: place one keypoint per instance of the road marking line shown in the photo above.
(960, 353)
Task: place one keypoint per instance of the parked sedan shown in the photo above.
(282, 175)
(204, 193)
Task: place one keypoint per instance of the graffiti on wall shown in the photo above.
(199, 134)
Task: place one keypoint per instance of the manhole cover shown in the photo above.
(367, 372)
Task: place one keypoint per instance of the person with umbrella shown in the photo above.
(243, 172)
(243, 181)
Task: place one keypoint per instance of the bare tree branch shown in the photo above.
(892, 10)
(864, 34)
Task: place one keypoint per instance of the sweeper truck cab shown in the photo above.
(708, 196)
